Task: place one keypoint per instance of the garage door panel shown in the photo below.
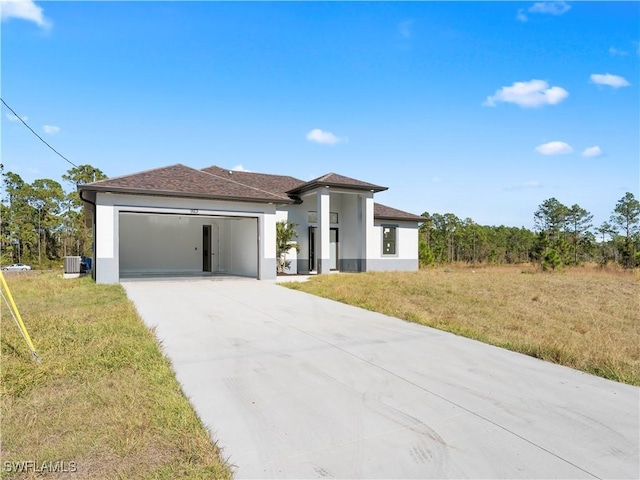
(157, 244)
(173, 244)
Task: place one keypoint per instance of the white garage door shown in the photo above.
(165, 244)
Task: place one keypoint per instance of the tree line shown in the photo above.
(562, 235)
(40, 223)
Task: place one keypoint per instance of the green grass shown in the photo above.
(103, 395)
(584, 318)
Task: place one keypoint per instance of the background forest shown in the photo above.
(562, 236)
(41, 222)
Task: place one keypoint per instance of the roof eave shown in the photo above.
(170, 193)
(313, 186)
(398, 218)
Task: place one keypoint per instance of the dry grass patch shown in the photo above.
(584, 318)
(103, 397)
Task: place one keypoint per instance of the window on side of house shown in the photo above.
(389, 239)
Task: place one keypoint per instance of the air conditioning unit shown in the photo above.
(71, 267)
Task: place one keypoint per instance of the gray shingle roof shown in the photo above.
(335, 180)
(182, 181)
(279, 184)
(383, 212)
(219, 183)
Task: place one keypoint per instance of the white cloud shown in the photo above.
(532, 184)
(531, 94)
(551, 8)
(12, 118)
(591, 152)
(240, 168)
(25, 10)
(554, 148)
(326, 138)
(614, 81)
(50, 129)
(436, 179)
(521, 16)
(614, 52)
(405, 28)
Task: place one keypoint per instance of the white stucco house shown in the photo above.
(180, 220)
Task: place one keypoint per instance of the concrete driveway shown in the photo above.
(295, 386)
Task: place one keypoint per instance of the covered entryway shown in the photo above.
(173, 244)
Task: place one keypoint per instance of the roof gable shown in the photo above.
(182, 181)
(335, 180)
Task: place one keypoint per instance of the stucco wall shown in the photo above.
(406, 256)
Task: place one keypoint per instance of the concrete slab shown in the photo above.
(296, 386)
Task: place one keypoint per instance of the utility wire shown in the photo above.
(34, 132)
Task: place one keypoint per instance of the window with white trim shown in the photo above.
(389, 238)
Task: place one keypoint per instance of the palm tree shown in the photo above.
(285, 241)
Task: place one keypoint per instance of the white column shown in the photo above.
(267, 246)
(106, 263)
(368, 242)
(322, 235)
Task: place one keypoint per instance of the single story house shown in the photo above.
(181, 220)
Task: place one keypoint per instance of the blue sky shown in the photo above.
(480, 109)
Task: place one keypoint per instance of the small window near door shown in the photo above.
(388, 240)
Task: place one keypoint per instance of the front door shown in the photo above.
(333, 249)
(312, 249)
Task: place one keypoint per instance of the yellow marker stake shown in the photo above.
(17, 316)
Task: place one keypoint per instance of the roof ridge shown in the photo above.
(254, 173)
(244, 184)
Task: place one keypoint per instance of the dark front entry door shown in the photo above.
(312, 249)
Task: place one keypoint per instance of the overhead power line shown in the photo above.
(34, 132)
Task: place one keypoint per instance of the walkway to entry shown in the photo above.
(295, 386)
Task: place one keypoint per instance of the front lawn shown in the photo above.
(585, 318)
(104, 400)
